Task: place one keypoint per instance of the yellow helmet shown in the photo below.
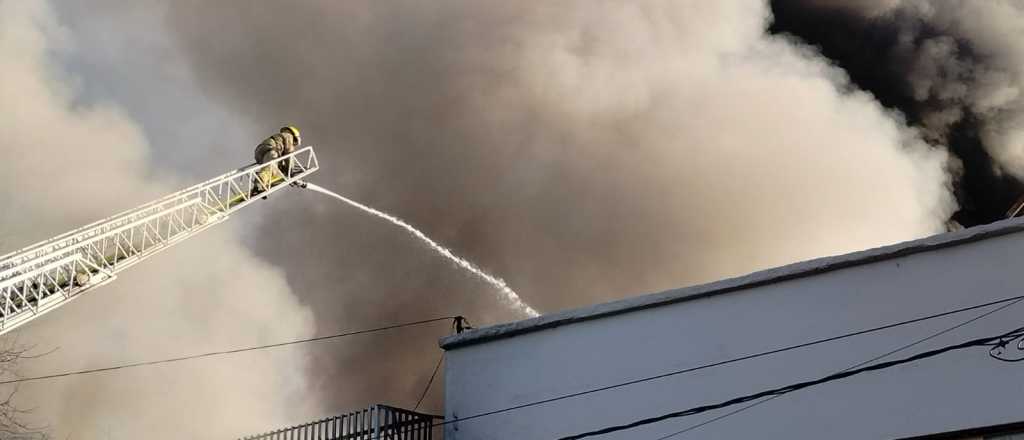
(295, 133)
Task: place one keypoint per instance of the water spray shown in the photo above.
(507, 295)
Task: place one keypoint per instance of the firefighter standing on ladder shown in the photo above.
(279, 144)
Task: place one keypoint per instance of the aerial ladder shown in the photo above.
(46, 275)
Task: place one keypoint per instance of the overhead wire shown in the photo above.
(430, 382)
(984, 341)
(230, 351)
(459, 324)
(859, 364)
(730, 361)
(525, 405)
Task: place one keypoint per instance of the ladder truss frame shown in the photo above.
(48, 274)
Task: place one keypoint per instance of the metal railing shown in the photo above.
(378, 422)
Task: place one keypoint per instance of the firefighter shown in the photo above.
(279, 144)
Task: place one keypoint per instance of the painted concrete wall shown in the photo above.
(955, 391)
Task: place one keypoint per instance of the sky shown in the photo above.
(582, 151)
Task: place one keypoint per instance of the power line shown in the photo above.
(429, 382)
(459, 324)
(881, 356)
(994, 341)
(231, 351)
(731, 361)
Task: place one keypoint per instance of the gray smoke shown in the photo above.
(582, 151)
(965, 59)
(70, 163)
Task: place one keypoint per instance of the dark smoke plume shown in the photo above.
(953, 67)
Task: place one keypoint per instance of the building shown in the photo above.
(963, 394)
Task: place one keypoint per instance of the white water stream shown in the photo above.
(507, 295)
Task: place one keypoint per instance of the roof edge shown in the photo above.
(768, 276)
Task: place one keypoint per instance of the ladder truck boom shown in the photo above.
(48, 274)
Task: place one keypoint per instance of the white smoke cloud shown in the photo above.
(69, 163)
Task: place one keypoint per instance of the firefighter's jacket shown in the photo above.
(275, 146)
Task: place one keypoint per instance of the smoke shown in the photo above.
(508, 296)
(583, 151)
(67, 163)
(955, 67)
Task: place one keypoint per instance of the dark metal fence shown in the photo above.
(378, 422)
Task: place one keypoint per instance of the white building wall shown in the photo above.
(955, 391)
